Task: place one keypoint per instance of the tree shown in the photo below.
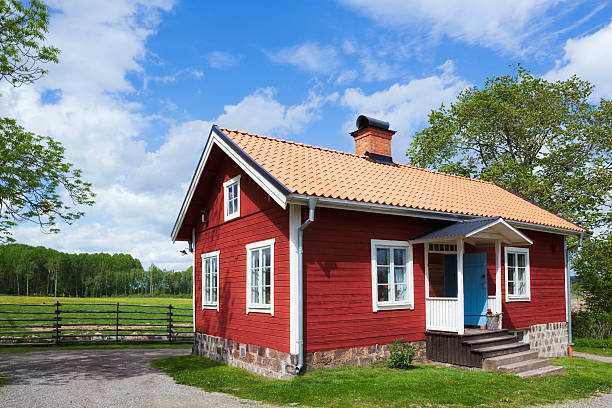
(33, 169)
(593, 269)
(544, 141)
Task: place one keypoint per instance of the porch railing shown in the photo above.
(442, 313)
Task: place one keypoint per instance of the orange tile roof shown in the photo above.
(320, 172)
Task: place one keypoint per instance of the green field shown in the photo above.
(80, 316)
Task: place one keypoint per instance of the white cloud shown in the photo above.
(405, 106)
(221, 60)
(502, 24)
(590, 58)
(309, 57)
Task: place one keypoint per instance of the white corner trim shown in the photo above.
(409, 302)
(211, 305)
(226, 185)
(513, 298)
(295, 220)
(256, 308)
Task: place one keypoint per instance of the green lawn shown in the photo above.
(593, 350)
(93, 316)
(378, 386)
(602, 347)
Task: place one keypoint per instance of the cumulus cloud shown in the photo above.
(406, 105)
(310, 57)
(590, 58)
(502, 25)
(221, 60)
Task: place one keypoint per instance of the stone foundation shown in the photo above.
(549, 339)
(277, 364)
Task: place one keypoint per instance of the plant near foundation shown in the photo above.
(401, 355)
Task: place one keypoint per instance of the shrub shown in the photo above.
(587, 324)
(401, 355)
(594, 343)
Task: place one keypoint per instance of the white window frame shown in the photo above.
(527, 296)
(259, 308)
(226, 187)
(210, 305)
(405, 304)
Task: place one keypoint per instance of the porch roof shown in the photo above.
(478, 231)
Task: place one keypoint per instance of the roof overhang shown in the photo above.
(263, 178)
(477, 232)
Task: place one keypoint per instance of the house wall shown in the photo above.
(260, 219)
(338, 280)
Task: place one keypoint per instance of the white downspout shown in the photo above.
(312, 203)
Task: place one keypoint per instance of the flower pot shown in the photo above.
(493, 322)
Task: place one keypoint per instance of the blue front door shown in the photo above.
(475, 288)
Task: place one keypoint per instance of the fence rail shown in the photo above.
(60, 323)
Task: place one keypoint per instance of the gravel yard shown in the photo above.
(100, 378)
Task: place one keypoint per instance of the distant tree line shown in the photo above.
(28, 270)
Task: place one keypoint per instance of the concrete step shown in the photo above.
(500, 350)
(522, 366)
(490, 341)
(492, 363)
(543, 372)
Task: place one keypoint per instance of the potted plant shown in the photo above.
(493, 320)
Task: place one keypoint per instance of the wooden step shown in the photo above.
(523, 366)
(543, 372)
(483, 342)
(492, 363)
(483, 334)
(500, 350)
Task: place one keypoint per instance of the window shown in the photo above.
(392, 286)
(517, 274)
(443, 248)
(260, 277)
(210, 280)
(231, 198)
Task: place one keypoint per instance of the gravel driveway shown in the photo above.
(100, 378)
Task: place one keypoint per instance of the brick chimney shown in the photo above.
(373, 139)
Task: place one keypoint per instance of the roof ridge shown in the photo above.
(352, 155)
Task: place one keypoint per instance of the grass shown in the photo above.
(602, 347)
(593, 350)
(3, 380)
(93, 316)
(378, 386)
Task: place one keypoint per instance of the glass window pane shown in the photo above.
(401, 292)
(266, 256)
(399, 257)
(382, 256)
(266, 276)
(214, 296)
(521, 288)
(511, 273)
(255, 259)
(267, 291)
(521, 260)
(254, 294)
(383, 274)
(254, 278)
(400, 274)
(511, 259)
(511, 288)
(383, 293)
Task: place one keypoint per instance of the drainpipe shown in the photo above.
(569, 300)
(312, 203)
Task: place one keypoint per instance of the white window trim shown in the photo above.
(249, 306)
(226, 186)
(515, 298)
(409, 302)
(210, 305)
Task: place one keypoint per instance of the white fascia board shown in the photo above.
(214, 139)
(522, 237)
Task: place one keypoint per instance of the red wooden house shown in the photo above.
(306, 257)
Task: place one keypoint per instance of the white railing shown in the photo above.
(441, 314)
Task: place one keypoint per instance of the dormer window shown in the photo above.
(231, 198)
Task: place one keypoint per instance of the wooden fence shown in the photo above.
(60, 323)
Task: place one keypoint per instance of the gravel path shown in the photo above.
(100, 378)
(599, 401)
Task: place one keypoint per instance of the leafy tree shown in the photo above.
(33, 169)
(593, 269)
(542, 140)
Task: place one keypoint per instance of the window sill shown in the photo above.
(259, 309)
(393, 306)
(518, 299)
(231, 217)
(209, 307)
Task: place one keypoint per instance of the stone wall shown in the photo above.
(549, 339)
(276, 364)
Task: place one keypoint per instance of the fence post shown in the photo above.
(170, 323)
(117, 325)
(57, 320)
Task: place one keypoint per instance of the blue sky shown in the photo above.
(140, 83)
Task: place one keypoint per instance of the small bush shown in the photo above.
(401, 355)
(587, 324)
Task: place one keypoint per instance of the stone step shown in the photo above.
(543, 372)
(484, 342)
(492, 363)
(522, 366)
(500, 350)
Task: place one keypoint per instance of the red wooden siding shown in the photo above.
(260, 219)
(338, 288)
